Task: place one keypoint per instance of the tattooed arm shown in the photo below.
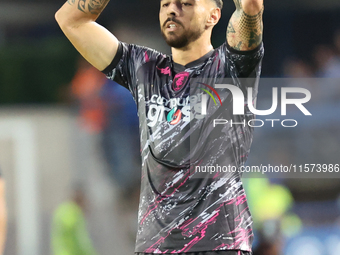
(244, 30)
(77, 20)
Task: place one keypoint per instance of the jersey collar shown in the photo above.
(177, 68)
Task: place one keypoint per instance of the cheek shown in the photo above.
(199, 19)
(202, 15)
(161, 20)
(199, 22)
(161, 16)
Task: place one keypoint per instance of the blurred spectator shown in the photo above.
(86, 87)
(69, 234)
(296, 68)
(330, 68)
(120, 144)
(300, 71)
(270, 205)
(326, 64)
(336, 42)
(270, 240)
(3, 215)
(108, 109)
(267, 201)
(120, 139)
(323, 55)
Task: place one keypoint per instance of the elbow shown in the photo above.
(63, 20)
(252, 7)
(257, 5)
(69, 20)
(59, 19)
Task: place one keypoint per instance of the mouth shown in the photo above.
(171, 26)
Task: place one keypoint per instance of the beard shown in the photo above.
(182, 40)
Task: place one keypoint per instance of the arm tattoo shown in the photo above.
(250, 27)
(230, 29)
(238, 46)
(96, 6)
(238, 4)
(71, 2)
(82, 5)
(245, 31)
(91, 6)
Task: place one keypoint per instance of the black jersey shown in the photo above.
(181, 210)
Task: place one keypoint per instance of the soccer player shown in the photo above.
(182, 210)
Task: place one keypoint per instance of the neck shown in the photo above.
(191, 52)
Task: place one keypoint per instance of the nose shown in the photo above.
(173, 9)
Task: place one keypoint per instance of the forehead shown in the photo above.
(196, 1)
(206, 3)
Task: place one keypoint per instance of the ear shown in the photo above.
(214, 16)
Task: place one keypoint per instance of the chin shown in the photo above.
(177, 44)
(175, 41)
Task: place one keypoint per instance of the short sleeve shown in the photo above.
(124, 65)
(244, 64)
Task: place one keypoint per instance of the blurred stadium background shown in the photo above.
(62, 126)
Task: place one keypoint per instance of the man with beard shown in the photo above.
(182, 210)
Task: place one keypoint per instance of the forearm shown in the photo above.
(77, 19)
(245, 27)
(75, 12)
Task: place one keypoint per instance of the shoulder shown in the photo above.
(133, 55)
(226, 49)
(141, 52)
(241, 63)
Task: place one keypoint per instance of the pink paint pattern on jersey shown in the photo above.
(165, 71)
(243, 235)
(180, 80)
(161, 197)
(146, 56)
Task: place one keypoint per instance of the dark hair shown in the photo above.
(219, 3)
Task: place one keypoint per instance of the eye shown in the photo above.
(186, 4)
(165, 5)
